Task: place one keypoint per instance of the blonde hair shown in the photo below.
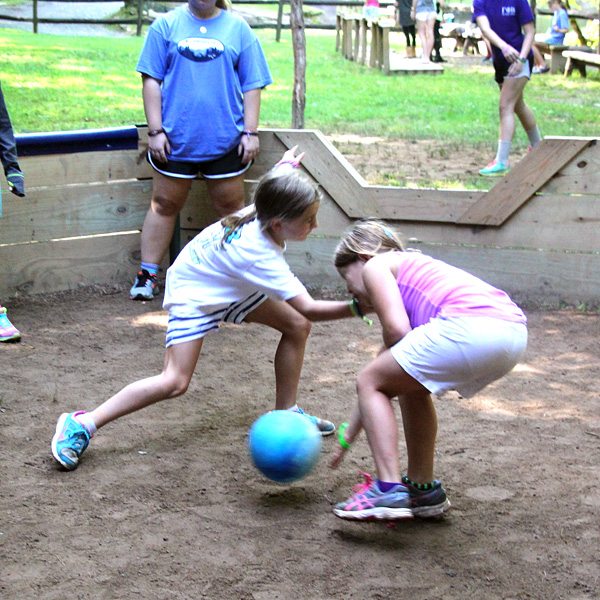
(223, 4)
(368, 237)
(280, 194)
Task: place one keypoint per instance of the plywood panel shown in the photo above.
(569, 223)
(76, 210)
(84, 167)
(527, 275)
(523, 181)
(44, 267)
(580, 176)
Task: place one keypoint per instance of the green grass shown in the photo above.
(54, 83)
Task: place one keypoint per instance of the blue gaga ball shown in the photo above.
(284, 445)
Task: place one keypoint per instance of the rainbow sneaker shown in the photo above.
(324, 426)
(431, 502)
(69, 441)
(369, 503)
(495, 169)
(8, 332)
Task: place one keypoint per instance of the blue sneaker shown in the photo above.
(495, 169)
(323, 425)
(69, 441)
(432, 502)
(369, 503)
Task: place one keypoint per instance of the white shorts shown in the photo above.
(425, 16)
(461, 353)
(185, 327)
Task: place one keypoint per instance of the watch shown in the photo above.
(154, 132)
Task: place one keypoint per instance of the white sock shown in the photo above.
(294, 408)
(503, 152)
(534, 136)
(86, 420)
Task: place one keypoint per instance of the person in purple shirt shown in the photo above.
(443, 329)
(508, 25)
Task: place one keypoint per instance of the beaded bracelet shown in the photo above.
(249, 133)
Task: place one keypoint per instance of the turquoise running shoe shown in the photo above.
(69, 441)
(8, 332)
(369, 503)
(495, 169)
(323, 425)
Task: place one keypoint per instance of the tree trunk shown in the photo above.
(299, 41)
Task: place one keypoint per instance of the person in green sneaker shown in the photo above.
(509, 27)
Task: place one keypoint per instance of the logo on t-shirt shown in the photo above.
(200, 49)
(508, 11)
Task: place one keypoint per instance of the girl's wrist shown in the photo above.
(341, 439)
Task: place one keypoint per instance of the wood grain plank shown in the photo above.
(524, 180)
(75, 210)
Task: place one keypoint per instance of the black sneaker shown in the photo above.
(145, 286)
(427, 503)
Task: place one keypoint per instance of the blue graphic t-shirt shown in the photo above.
(506, 19)
(206, 66)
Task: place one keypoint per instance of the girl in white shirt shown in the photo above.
(233, 272)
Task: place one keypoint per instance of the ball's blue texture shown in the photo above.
(284, 445)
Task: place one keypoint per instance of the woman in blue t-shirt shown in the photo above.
(202, 71)
(508, 25)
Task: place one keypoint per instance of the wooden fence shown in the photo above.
(534, 234)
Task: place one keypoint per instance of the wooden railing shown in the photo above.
(534, 234)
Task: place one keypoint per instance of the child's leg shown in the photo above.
(420, 430)
(180, 362)
(380, 381)
(289, 356)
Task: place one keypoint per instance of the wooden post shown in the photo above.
(279, 21)
(385, 49)
(364, 32)
(299, 41)
(35, 16)
(140, 13)
(374, 57)
(338, 32)
(356, 37)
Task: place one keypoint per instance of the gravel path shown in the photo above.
(72, 10)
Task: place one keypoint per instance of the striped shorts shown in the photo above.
(185, 327)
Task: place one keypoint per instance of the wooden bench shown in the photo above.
(555, 51)
(579, 61)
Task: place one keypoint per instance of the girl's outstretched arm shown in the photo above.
(320, 310)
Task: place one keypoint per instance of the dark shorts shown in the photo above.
(501, 69)
(228, 165)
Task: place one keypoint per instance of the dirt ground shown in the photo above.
(166, 504)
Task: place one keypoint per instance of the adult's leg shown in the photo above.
(168, 197)
(226, 195)
(289, 355)
(380, 381)
(538, 57)
(511, 94)
(180, 362)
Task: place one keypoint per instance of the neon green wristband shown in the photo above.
(343, 443)
(355, 310)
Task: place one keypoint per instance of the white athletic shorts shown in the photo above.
(425, 15)
(185, 327)
(461, 353)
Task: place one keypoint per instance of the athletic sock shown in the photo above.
(150, 267)
(534, 136)
(86, 420)
(503, 152)
(386, 486)
(420, 486)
